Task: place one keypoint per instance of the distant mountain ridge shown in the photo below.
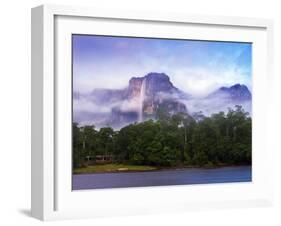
(236, 92)
(144, 96)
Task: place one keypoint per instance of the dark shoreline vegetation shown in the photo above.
(169, 142)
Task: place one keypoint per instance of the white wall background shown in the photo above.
(15, 111)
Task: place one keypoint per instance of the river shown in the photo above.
(162, 177)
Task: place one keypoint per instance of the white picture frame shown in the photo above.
(52, 197)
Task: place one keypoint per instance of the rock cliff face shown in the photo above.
(145, 96)
(154, 83)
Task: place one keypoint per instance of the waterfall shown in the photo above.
(141, 99)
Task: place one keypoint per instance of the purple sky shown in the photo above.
(196, 67)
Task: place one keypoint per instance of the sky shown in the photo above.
(196, 67)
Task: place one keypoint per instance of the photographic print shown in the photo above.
(157, 112)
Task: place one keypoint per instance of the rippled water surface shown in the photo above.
(163, 177)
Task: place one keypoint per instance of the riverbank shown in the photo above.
(119, 168)
(111, 168)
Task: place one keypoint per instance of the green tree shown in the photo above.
(105, 138)
(171, 140)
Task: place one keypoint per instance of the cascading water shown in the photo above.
(141, 99)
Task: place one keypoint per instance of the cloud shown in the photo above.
(84, 104)
(193, 66)
(209, 106)
(196, 67)
(131, 105)
(201, 81)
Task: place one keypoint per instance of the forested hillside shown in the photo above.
(176, 140)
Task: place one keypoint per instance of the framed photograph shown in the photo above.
(136, 113)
